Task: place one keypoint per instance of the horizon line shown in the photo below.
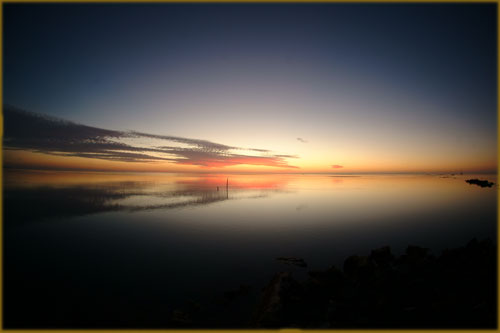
(7, 168)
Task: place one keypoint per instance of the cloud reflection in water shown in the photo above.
(55, 198)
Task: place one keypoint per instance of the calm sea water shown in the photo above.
(124, 250)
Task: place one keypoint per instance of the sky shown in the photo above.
(247, 87)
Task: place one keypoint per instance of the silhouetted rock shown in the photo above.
(456, 289)
(417, 251)
(481, 183)
(382, 256)
(272, 310)
(415, 290)
(359, 267)
(333, 275)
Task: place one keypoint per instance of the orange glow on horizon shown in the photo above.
(31, 160)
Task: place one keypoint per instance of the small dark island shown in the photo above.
(478, 182)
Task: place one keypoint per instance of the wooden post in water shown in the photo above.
(227, 188)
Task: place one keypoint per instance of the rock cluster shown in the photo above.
(415, 290)
(456, 289)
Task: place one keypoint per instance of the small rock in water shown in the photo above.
(293, 261)
(478, 182)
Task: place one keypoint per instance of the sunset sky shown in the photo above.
(251, 87)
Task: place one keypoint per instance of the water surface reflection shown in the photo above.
(124, 250)
(61, 194)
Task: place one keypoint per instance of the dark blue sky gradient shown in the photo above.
(55, 53)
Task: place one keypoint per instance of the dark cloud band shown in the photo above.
(39, 133)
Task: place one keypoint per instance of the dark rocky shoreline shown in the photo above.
(457, 289)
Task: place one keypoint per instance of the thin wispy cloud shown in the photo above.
(302, 140)
(39, 133)
(336, 166)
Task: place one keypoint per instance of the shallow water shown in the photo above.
(124, 250)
